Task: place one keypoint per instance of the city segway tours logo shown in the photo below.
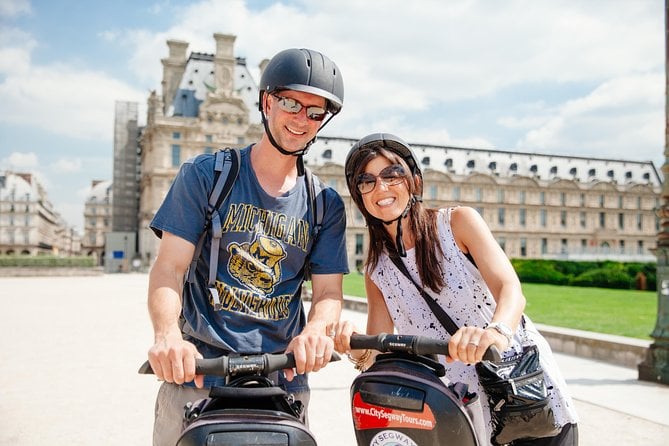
(391, 438)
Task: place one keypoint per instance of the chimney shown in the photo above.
(263, 64)
(173, 70)
(224, 64)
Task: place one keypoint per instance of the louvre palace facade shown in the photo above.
(537, 205)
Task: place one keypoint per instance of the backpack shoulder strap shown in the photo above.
(316, 212)
(226, 170)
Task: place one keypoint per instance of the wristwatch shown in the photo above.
(502, 329)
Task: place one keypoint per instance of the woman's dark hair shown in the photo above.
(423, 221)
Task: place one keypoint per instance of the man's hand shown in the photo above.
(312, 349)
(173, 360)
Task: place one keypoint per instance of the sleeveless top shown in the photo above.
(468, 301)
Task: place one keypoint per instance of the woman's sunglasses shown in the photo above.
(291, 105)
(390, 176)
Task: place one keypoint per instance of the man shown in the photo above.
(266, 243)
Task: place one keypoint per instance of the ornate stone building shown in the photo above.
(29, 225)
(208, 101)
(537, 205)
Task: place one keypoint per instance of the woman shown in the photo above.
(453, 255)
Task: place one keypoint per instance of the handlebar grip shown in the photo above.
(418, 345)
(372, 342)
(429, 346)
(492, 354)
(145, 369)
(212, 366)
(279, 362)
(383, 342)
(227, 365)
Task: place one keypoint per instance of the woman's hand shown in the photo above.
(469, 344)
(341, 332)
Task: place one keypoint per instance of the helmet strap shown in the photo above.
(399, 243)
(297, 153)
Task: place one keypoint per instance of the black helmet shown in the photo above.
(304, 70)
(396, 145)
(386, 141)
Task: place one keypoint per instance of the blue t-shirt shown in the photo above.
(264, 244)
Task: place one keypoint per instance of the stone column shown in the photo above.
(224, 64)
(173, 69)
(656, 365)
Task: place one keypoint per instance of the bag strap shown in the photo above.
(439, 312)
(226, 168)
(317, 213)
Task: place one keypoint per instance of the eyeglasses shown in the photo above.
(390, 176)
(291, 105)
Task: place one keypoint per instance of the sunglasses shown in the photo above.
(390, 176)
(292, 106)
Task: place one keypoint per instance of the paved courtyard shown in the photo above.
(71, 348)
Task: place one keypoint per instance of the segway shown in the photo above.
(401, 400)
(250, 409)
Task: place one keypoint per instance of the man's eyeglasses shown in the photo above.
(390, 176)
(291, 105)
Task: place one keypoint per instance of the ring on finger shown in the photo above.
(474, 343)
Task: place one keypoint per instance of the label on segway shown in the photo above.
(391, 438)
(370, 416)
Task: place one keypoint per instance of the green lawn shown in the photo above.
(620, 312)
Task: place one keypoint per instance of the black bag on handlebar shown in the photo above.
(518, 397)
(401, 400)
(249, 410)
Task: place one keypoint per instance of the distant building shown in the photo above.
(29, 225)
(537, 205)
(97, 220)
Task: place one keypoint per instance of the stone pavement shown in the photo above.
(71, 347)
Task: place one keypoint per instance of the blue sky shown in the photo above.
(570, 77)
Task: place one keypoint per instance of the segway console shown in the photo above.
(401, 399)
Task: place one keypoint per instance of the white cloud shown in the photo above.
(13, 8)
(20, 161)
(64, 165)
(63, 99)
(622, 116)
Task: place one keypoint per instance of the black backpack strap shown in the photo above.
(226, 167)
(316, 212)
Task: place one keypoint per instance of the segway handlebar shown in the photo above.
(257, 364)
(414, 344)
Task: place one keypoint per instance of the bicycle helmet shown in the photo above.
(396, 145)
(385, 141)
(304, 70)
(307, 71)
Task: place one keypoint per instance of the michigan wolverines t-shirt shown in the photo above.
(265, 242)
